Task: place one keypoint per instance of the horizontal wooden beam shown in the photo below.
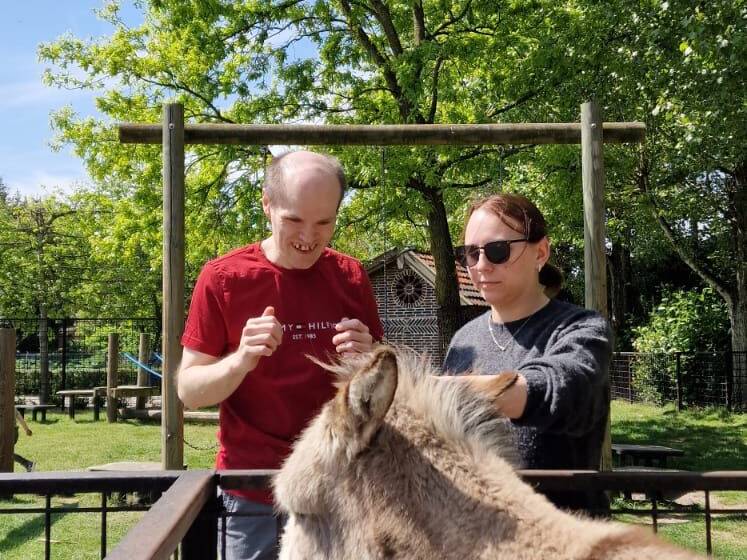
(383, 135)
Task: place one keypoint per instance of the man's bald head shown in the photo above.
(283, 166)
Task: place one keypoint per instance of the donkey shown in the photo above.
(405, 465)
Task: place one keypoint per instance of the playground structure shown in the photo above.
(173, 135)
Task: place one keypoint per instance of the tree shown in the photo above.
(41, 260)
(685, 64)
(340, 62)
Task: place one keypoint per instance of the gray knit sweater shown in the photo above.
(563, 351)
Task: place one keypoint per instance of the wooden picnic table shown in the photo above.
(34, 408)
(644, 455)
(99, 393)
(71, 394)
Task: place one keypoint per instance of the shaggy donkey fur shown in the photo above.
(402, 464)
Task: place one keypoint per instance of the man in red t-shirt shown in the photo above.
(256, 313)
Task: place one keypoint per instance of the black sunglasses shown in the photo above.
(496, 252)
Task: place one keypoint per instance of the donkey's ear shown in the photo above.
(370, 394)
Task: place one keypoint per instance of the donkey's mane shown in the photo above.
(451, 407)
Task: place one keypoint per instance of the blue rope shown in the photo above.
(139, 364)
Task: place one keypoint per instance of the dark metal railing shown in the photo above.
(48, 484)
(189, 517)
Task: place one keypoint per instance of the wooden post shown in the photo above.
(172, 417)
(592, 162)
(143, 377)
(7, 398)
(595, 259)
(678, 379)
(112, 362)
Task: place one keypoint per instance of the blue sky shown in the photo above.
(27, 163)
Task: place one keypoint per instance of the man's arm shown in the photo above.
(205, 380)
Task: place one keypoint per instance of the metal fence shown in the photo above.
(76, 350)
(686, 379)
(189, 516)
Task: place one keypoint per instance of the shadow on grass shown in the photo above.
(711, 439)
(28, 531)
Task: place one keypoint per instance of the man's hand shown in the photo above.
(352, 337)
(260, 337)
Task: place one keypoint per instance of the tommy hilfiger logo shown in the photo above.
(308, 330)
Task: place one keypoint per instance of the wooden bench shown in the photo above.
(34, 408)
(70, 395)
(97, 394)
(644, 455)
(122, 391)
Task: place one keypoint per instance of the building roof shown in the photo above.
(425, 266)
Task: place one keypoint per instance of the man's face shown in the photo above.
(302, 214)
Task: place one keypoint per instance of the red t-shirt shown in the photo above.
(275, 401)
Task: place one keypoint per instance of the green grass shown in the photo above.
(711, 439)
(61, 444)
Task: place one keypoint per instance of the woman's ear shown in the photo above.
(543, 252)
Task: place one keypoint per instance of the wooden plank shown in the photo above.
(162, 528)
(595, 259)
(75, 393)
(635, 480)
(383, 135)
(172, 426)
(154, 414)
(258, 479)
(646, 450)
(7, 398)
(81, 481)
(143, 377)
(131, 391)
(592, 162)
(127, 466)
(112, 362)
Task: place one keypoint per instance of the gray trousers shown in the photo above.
(251, 534)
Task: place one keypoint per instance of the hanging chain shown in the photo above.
(211, 447)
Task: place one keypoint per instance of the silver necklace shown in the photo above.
(513, 337)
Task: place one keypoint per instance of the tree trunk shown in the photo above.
(447, 288)
(43, 356)
(620, 281)
(738, 307)
(738, 320)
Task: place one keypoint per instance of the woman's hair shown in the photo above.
(521, 215)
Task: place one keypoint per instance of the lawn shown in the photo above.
(62, 444)
(712, 440)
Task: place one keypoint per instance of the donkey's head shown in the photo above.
(342, 430)
(382, 457)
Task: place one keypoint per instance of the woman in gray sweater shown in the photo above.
(544, 362)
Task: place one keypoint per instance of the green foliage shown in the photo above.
(675, 65)
(684, 323)
(41, 255)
